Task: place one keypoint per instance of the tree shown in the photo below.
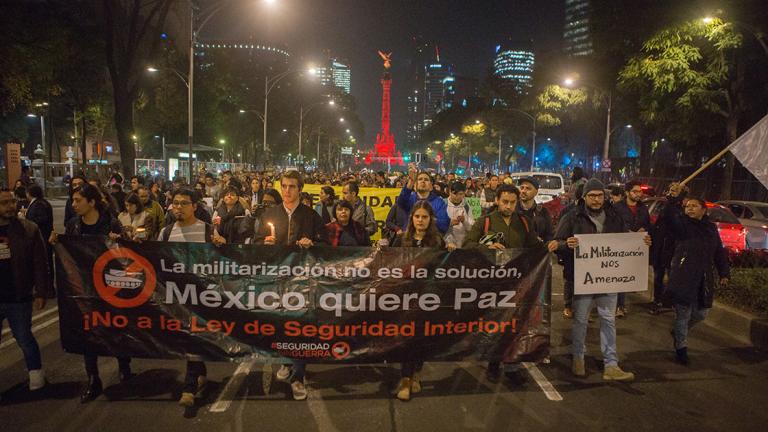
(131, 32)
(684, 74)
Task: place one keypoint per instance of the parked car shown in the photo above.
(551, 185)
(754, 216)
(732, 232)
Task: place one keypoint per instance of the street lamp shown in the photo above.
(568, 82)
(533, 134)
(302, 113)
(269, 84)
(42, 141)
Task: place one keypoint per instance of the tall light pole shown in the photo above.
(269, 84)
(568, 82)
(302, 113)
(533, 135)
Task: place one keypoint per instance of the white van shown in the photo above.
(551, 185)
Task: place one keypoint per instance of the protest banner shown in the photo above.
(349, 305)
(611, 263)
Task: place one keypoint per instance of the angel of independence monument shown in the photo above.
(384, 150)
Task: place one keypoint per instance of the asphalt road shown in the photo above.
(724, 389)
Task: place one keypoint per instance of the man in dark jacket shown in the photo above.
(41, 213)
(636, 218)
(292, 224)
(699, 264)
(25, 281)
(538, 214)
(592, 217)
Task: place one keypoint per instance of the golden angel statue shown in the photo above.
(387, 59)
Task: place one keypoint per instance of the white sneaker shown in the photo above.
(36, 379)
(299, 390)
(284, 372)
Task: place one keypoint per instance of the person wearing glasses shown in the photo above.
(636, 218)
(189, 229)
(592, 216)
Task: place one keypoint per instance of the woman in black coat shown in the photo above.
(698, 265)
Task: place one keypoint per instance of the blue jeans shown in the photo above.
(606, 309)
(19, 317)
(686, 316)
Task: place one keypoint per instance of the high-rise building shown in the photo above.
(459, 91)
(422, 55)
(577, 40)
(336, 74)
(514, 64)
(437, 76)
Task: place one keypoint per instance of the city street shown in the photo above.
(722, 389)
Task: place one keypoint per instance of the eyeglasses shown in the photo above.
(181, 203)
(596, 196)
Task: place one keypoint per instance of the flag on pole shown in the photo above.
(751, 149)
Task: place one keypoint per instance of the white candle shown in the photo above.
(271, 229)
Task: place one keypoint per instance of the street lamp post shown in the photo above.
(302, 113)
(533, 135)
(269, 84)
(568, 82)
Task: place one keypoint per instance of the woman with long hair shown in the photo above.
(232, 219)
(93, 219)
(420, 232)
(137, 224)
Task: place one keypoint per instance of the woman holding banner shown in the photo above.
(93, 219)
(698, 265)
(420, 232)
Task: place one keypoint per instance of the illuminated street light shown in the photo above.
(222, 141)
(708, 20)
(341, 120)
(568, 82)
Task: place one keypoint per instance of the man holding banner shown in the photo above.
(593, 217)
(292, 224)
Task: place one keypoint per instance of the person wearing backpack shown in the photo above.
(189, 229)
(507, 229)
(460, 215)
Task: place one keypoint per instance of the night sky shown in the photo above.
(467, 32)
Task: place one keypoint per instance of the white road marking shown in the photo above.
(34, 318)
(34, 329)
(549, 390)
(233, 385)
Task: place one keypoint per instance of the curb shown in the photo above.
(742, 326)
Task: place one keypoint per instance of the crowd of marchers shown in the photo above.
(431, 211)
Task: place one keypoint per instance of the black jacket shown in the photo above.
(541, 219)
(41, 213)
(29, 260)
(698, 259)
(105, 225)
(305, 222)
(577, 221)
(634, 222)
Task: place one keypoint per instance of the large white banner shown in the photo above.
(611, 263)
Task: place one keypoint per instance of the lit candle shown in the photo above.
(271, 229)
